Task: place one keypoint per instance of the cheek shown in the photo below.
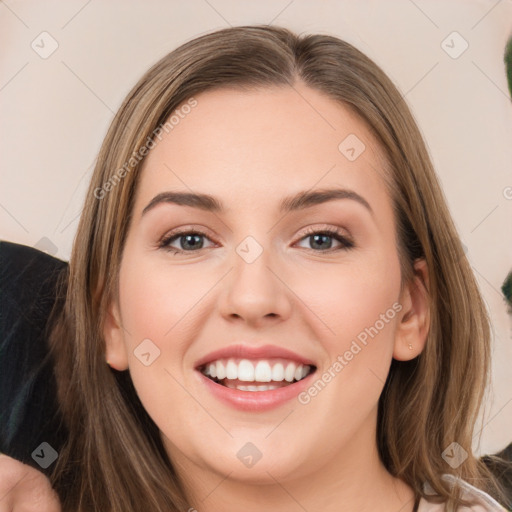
(157, 305)
(161, 303)
(358, 307)
(367, 316)
(158, 302)
(348, 298)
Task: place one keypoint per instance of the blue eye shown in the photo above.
(190, 241)
(318, 237)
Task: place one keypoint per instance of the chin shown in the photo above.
(258, 461)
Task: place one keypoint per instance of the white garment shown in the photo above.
(482, 501)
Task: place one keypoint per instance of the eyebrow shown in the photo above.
(300, 201)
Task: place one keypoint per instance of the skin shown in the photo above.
(25, 489)
(251, 149)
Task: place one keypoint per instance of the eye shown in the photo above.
(320, 238)
(189, 241)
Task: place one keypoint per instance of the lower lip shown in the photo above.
(256, 400)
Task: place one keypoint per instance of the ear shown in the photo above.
(113, 333)
(414, 321)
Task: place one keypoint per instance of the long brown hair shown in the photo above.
(114, 460)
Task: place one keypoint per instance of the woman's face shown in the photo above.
(257, 295)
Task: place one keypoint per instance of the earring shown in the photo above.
(410, 346)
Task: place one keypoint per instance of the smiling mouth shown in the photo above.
(256, 375)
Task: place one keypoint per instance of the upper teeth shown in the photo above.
(262, 370)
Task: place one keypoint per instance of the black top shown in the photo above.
(28, 409)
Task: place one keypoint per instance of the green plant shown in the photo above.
(508, 63)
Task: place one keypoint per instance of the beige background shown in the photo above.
(54, 113)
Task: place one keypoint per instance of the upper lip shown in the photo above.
(251, 352)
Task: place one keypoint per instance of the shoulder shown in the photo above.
(481, 501)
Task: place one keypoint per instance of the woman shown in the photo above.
(265, 370)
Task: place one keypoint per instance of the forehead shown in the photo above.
(250, 147)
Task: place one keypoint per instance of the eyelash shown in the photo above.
(333, 233)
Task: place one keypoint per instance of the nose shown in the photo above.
(255, 293)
